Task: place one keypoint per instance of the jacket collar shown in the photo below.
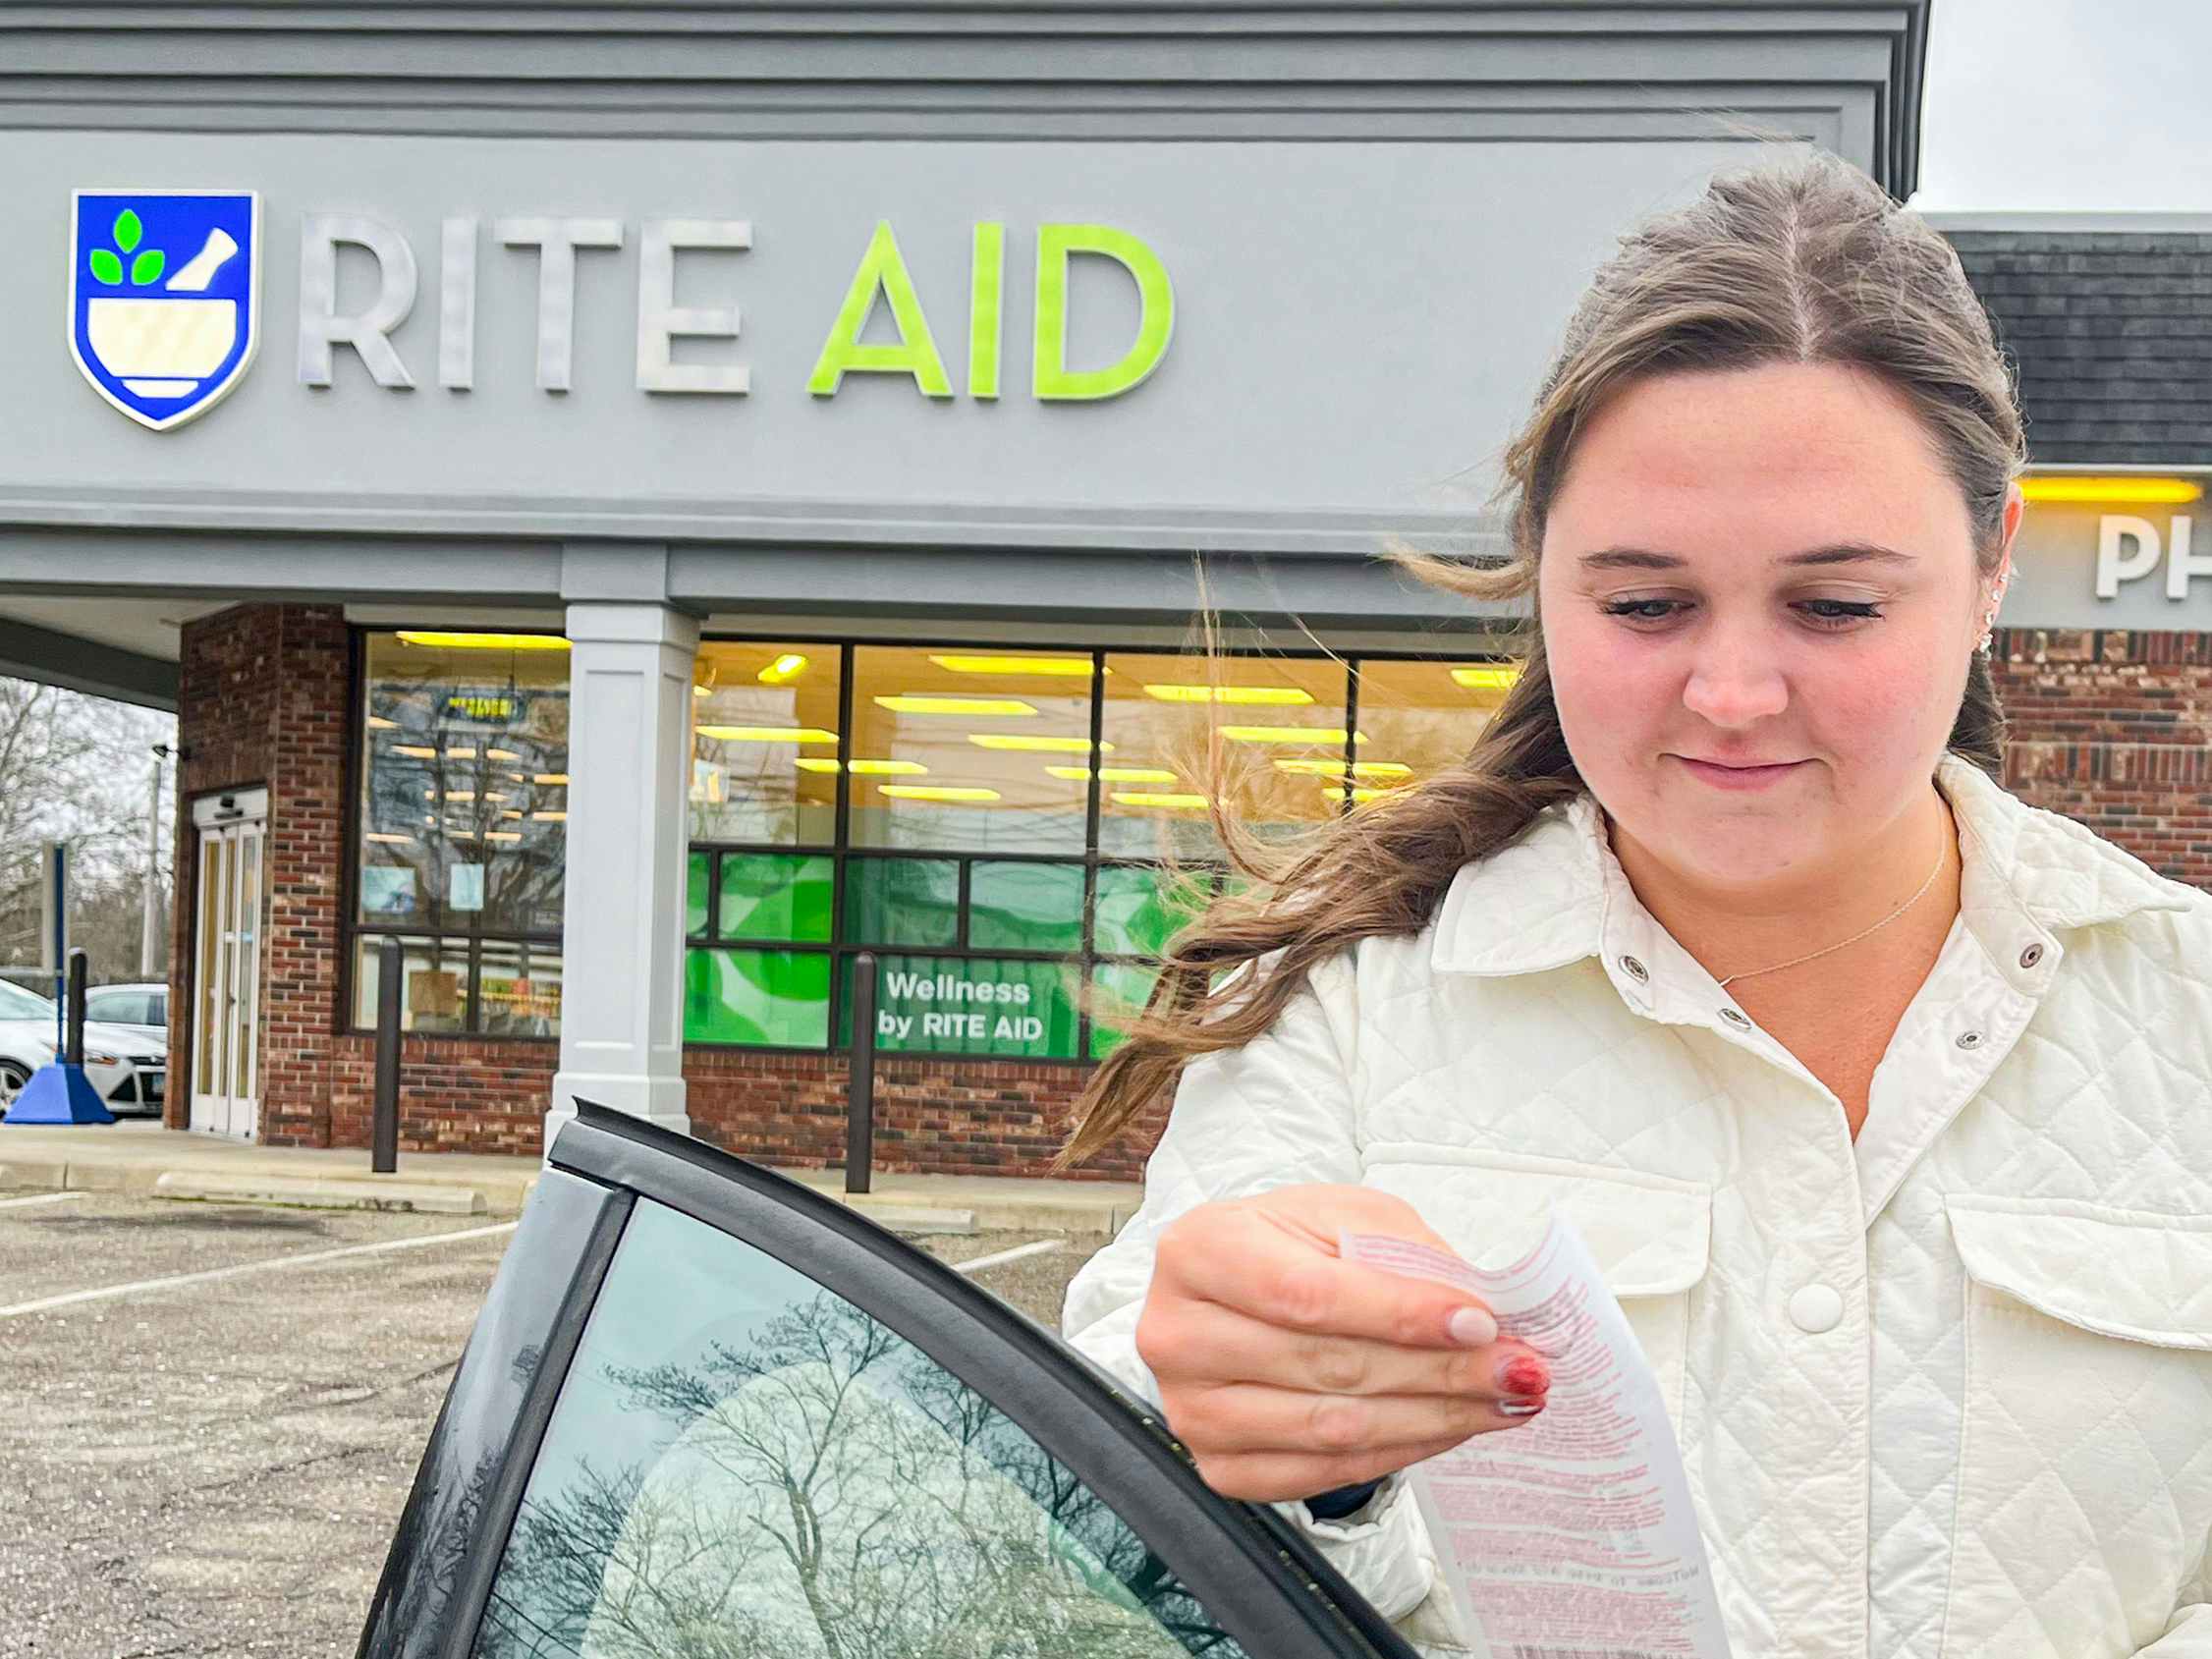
(1557, 894)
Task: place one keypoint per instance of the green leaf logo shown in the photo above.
(129, 231)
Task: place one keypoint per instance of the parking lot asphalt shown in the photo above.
(213, 1465)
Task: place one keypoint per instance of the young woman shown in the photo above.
(1883, 1099)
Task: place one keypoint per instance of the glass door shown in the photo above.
(227, 963)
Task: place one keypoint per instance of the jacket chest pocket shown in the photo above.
(1650, 1235)
(2085, 1463)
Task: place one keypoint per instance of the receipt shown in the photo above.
(1570, 1535)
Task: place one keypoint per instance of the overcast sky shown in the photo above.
(2068, 104)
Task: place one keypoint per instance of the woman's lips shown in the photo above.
(1739, 777)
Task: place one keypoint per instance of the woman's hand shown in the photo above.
(1287, 1371)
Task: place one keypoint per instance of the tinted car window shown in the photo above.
(124, 1008)
(740, 1462)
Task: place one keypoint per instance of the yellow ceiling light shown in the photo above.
(493, 794)
(698, 690)
(788, 667)
(550, 778)
(453, 834)
(503, 834)
(875, 768)
(1116, 774)
(485, 642)
(2119, 490)
(935, 792)
(418, 751)
(453, 753)
(377, 723)
(815, 763)
(500, 754)
(1486, 677)
(1289, 735)
(1058, 746)
(766, 734)
(1070, 667)
(1358, 794)
(550, 818)
(1150, 798)
(509, 812)
(912, 703)
(1279, 697)
(1335, 768)
(395, 840)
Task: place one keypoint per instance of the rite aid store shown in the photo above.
(639, 506)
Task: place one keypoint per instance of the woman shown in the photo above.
(1883, 1099)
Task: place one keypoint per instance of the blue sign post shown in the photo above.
(59, 1092)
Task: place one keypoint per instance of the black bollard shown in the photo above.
(79, 975)
(384, 1131)
(859, 1090)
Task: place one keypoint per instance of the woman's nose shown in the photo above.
(1734, 681)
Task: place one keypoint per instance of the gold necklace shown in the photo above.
(1942, 858)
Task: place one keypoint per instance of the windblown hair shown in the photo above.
(1805, 261)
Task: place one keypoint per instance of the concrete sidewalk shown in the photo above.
(140, 1157)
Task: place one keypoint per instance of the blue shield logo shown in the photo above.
(164, 290)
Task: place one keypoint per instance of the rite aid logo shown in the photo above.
(163, 291)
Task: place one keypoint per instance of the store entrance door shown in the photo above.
(227, 963)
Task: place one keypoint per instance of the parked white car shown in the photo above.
(130, 1071)
(142, 1010)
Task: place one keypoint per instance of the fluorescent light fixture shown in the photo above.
(509, 812)
(1276, 696)
(766, 734)
(788, 667)
(500, 754)
(461, 795)
(1149, 798)
(1068, 666)
(1486, 677)
(2140, 491)
(936, 791)
(416, 752)
(1007, 739)
(493, 794)
(703, 691)
(459, 754)
(485, 642)
(1116, 774)
(1335, 768)
(1289, 735)
(385, 834)
(815, 763)
(915, 703)
(888, 768)
(377, 723)
(550, 778)
(550, 818)
(503, 834)
(1358, 794)
(453, 834)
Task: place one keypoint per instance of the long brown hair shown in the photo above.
(1807, 261)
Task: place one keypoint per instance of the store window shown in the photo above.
(1422, 718)
(463, 840)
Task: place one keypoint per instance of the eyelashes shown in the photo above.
(1832, 616)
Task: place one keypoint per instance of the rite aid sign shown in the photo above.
(165, 304)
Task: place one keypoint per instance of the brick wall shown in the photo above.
(2113, 729)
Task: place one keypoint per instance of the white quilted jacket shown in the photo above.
(2002, 1444)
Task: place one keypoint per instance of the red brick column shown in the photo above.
(2113, 729)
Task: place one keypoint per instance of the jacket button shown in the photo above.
(1816, 1309)
(2031, 956)
(1969, 1039)
(1634, 969)
(1737, 1017)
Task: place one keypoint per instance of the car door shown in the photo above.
(708, 1412)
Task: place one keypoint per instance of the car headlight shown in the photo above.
(103, 1059)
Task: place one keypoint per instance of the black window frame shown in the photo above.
(1256, 1575)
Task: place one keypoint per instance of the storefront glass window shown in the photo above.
(464, 812)
(1421, 718)
(764, 744)
(996, 1006)
(772, 999)
(902, 901)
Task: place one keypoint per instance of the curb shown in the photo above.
(307, 1192)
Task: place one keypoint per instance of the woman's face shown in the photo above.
(1760, 566)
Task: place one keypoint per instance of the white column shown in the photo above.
(622, 933)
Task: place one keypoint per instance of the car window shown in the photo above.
(124, 1008)
(740, 1462)
(157, 1008)
(16, 1003)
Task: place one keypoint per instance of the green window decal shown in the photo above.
(777, 999)
(1024, 906)
(775, 896)
(976, 1005)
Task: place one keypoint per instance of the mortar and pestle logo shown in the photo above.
(164, 351)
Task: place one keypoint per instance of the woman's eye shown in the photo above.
(1823, 613)
(1641, 610)
(1838, 612)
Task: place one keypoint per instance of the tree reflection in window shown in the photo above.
(744, 1465)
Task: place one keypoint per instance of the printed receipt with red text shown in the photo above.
(1569, 1535)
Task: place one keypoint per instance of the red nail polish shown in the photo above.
(1524, 1375)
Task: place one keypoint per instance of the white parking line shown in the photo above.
(69, 1298)
(982, 1262)
(39, 1198)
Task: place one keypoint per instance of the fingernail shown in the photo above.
(1519, 1408)
(1524, 1375)
(1473, 1327)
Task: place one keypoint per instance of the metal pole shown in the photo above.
(148, 928)
(384, 1132)
(79, 975)
(56, 943)
(859, 1091)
